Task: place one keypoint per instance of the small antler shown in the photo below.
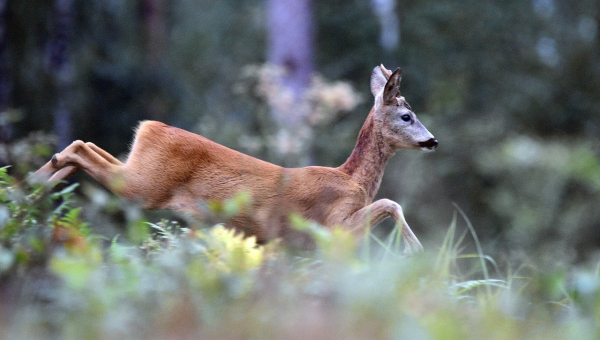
(387, 73)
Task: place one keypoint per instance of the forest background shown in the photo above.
(509, 88)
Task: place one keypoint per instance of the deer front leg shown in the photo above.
(377, 212)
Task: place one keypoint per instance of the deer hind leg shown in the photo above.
(69, 170)
(98, 163)
(377, 212)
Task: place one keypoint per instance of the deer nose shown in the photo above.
(430, 144)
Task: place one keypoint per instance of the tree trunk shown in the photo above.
(290, 46)
(61, 69)
(5, 76)
(389, 35)
(389, 32)
(155, 30)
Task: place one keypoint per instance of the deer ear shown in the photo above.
(392, 87)
(378, 80)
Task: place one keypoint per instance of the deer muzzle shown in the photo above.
(430, 144)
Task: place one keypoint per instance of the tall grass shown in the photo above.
(165, 281)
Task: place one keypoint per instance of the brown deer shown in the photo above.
(169, 168)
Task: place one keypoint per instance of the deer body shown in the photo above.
(170, 168)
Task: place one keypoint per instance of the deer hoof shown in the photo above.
(54, 160)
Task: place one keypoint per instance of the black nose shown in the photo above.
(431, 144)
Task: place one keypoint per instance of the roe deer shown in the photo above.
(169, 168)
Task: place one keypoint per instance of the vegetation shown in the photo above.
(59, 279)
(509, 88)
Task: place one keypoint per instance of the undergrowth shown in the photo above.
(59, 280)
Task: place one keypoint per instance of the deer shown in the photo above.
(173, 169)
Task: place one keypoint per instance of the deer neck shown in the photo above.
(367, 161)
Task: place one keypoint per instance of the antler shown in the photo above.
(385, 71)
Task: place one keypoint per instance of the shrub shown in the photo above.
(165, 281)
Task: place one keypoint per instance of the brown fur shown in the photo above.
(169, 168)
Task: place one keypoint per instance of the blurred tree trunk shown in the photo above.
(61, 69)
(291, 46)
(155, 30)
(389, 34)
(5, 76)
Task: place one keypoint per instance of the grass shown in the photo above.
(58, 280)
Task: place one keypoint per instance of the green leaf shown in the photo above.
(65, 191)
(138, 231)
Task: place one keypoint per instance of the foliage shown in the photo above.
(509, 88)
(26, 215)
(214, 283)
(323, 103)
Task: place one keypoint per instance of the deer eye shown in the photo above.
(405, 118)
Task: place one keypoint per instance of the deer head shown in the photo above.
(394, 118)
